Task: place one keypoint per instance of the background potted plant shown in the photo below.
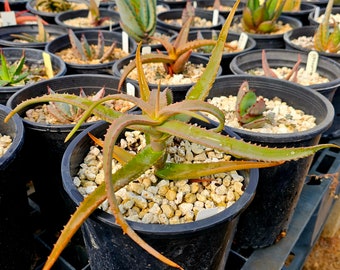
(22, 66)
(160, 120)
(264, 23)
(90, 51)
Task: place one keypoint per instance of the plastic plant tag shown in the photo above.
(316, 13)
(8, 18)
(125, 42)
(242, 41)
(215, 17)
(146, 50)
(130, 89)
(312, 62)
(48, 65)
(194, 4)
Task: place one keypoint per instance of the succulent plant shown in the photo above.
(161, 119)
(138, 18)
(291, 76)
(261, 18)
(292, 5)
(42, 35)
(54, 6)
(12, 74)
(250, 108)
(86, 52)
(178, 52)
(327, 38)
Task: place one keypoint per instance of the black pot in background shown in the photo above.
(47, 16)
(14, 5)
(302, 14)
(312, 21)
(179, 90)
(204, 244)
(44, 144)
(226, 57)
(177, 14)
(287, 58)
(279, 187)
(208, 4)
(264, 41)
(63, 42)
(307, 31)
(15, 231)
(6, 40)
(32, 56)
(319, 3)
(83, 13)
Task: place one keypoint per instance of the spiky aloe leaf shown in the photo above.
(76, 45)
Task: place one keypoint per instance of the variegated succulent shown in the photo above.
(327, 37)
(261, 18)
(160, 119)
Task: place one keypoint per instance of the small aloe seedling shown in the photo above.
(178, 52)
(86, 52)
(292, 5)
(261, 18)
(291, 76)
(160, 119)
(67, 113)
(41, 36)
(250, 108)
(94, 14)
(12, 74)
(138, 18)
(326, 38)
(54, 6)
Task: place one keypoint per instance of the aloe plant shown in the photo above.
(327, 38)
(159, 120)
(12, 74)
(41, 36)
(292, 5)
(138, 18)
(54, 6)
(261, 18)
(178, 52)
(86, 52)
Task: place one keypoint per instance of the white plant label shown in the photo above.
(242, 41)
(8, 18)
(316, 13)
(130, 89)
(125, 42)
(194, 4)
(146, 50)
(312, 62)
(215, 17)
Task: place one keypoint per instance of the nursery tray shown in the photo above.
(314, 206)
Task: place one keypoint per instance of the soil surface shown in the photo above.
(325, 254)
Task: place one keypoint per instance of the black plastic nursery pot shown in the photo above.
(264, 41)
(33, 56)
(225, 8)
(179, 90)
(45, 143)
(319, 3)
(16, 237)
(202, 244)
(268, 216)
(226, 57)
(302, 14)
(314, 22)
(61, 19)
(175, 14)
(7, 40)
(63, 42)
(49, 17)
(243, 63)
(14, 5)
